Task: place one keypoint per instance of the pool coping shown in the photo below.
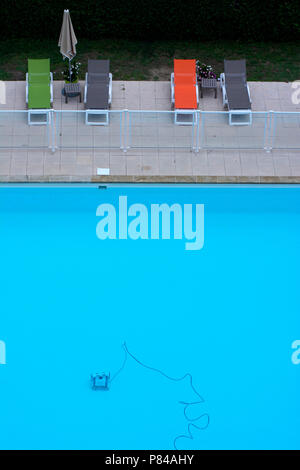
(153, 179)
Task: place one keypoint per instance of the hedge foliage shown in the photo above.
(154, 19)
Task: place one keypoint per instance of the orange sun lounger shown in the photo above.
(184, 90)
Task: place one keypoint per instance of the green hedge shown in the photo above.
(154, 19)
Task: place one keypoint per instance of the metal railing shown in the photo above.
(15, 133)
(140, 129)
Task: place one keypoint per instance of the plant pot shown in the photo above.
(73, 81)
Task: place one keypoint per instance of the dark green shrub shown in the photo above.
(154, 19)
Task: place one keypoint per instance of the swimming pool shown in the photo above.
(208, 287)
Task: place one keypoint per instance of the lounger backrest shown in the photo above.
(235, 67)
(98, 66)
(39, 71)
(187, 66)
(39, 66)
(185, 72)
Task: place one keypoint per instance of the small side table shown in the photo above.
(71, 90)
(208, 83)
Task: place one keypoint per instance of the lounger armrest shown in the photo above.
(85, 87)
(110, 89)
(249, 93)
(223, 86)
(51, 87)
(172, 89)
(26, 87)
(222, 79)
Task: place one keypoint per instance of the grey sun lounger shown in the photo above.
(236, 94)
(97, 92)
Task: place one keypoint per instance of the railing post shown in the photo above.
(53, 122)
(193, 148)
(122, 118)
(265, 141)
(268, 137)
(198, 114)
(125, 131)
(128, 130)
(202, 128)
(193, 133)
(48, 125)
(273, 127)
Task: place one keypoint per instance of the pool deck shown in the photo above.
(154, 165)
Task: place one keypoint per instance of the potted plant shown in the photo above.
(204, 71)
(73, 70)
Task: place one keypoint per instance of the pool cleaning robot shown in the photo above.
(100, 381)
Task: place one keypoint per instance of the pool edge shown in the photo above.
(196, 179)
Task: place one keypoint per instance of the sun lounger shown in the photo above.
(98, 92)
(184, 91)
(39, 91)
(236, 94)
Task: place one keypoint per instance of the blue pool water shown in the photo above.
(228, 314)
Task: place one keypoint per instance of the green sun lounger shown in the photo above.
(39, 90)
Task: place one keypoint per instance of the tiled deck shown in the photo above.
(149, 164)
